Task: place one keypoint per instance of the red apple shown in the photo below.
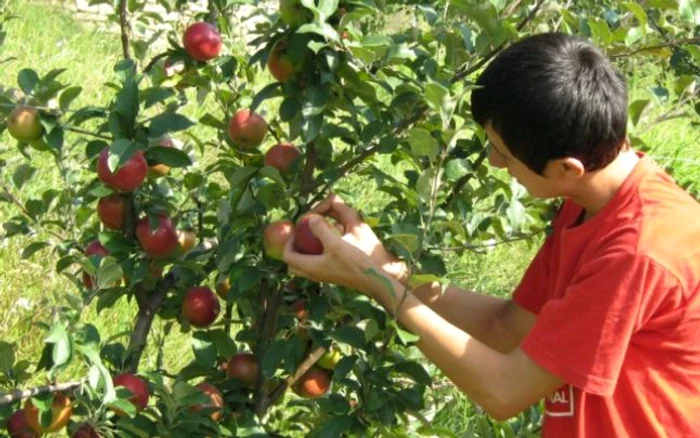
(275, 237)
(202, 41)
(17, 426)
(61, 412)
(293, 13)
(247, 129)
(282, 157)
(162, 241)
(299, 309)
(243, 367)
(313, 384)
(128, 177)
(217, 401)
(94, 248)
(85, 431)
(200, 306)
(304, 239)
(24, 124)
(139, 390)
(112, 211)
(279, 63)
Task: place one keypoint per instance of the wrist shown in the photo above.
(398, 270)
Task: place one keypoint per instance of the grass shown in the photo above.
(45, 37)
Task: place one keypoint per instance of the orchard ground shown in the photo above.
(45, 36)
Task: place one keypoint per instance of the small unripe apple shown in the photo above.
(112, 211)
(243, 367)
(282, 157)
(137, 386)
(217, 401)
(275, 237)
(202, 41)
(200, 306)
(61, 412)
(223, 288)
(305, 241)
(24, 124)
(128, 177)
(330, 359)
(162, 241)
(247, 129)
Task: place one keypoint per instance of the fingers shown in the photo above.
(335, 207)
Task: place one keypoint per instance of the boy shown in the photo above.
(605, 324)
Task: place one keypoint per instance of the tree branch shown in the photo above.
(674, 44)
(85, 132)
(124, 28)
(279, 390)
(17, 395)
(271, 301)
(464, 73)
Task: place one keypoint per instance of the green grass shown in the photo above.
(45, 37)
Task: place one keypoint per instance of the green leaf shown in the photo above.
(336, 426)
(406, 337)
(422, 143)
(7, 357)
(23, 173)
(326, 8)
(324, 29)
(32, 248)
(27, 80)
(268, 92)
(638, 11)
(352, 336)
(600, 31)
(204, 349)
(127, 105)
(371, 330)
(119, 153)
(273, 357)
(223, 342)
(343, 367)
(457, 168)
(415, 371)
(210, 120)
(428, 183)
(172, 157)
(62, 348)
(108, 273)
(68, 96)
(152, 96)
(168, 122)
(636, 109)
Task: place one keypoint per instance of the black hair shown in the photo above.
(552, 96)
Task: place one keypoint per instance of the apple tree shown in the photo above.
(221, 132)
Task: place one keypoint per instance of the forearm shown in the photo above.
(482, 316)
(479, 371)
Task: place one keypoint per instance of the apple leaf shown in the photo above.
(343, 367)
(27, 79)
(273, 357)
(169, 156)
(154, 95)
(168, 122)
(32, 248)
(204, 349)
(7, 357)
(108, 273)
(22, 174)
(119, 153)
(415, 371)
(352, 336)
(268, 92)
(326, 8)
(68, 96)
(422, 143)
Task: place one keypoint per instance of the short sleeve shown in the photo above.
(583, 336)
(532, 291)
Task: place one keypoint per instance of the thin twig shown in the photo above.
(16, 395)
(674, 44)
(486, 245)
(124, 28)
(85, 132)
(153, 61)
(466, 178)
(279, 390)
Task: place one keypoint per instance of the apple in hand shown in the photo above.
(200, 306)
(305, 241)
(217, 401)
(112, 211)
(162, 241)
(313, 384)
(128, 177)
(247, 129)
(23, 124)
(139, 390)
(243, 367)
(202, 41)
(275, 237)
(282, 157)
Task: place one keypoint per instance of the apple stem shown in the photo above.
(17, 394)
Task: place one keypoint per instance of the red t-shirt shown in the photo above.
(617, 300)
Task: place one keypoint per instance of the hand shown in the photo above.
(359, 234)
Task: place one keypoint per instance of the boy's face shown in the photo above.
(539, 186)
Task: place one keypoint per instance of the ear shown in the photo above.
(569, 168)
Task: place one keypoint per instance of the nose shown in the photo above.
(496, 160)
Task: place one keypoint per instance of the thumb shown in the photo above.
(323, 230)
